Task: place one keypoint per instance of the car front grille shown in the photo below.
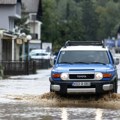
(81, 76)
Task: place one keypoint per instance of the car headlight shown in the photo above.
(98, 76)
(64, 76)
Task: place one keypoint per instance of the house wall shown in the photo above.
(31, 5)
(11, 23)
(18, 9)
(35, 27)
(8, 13)
(35, 45)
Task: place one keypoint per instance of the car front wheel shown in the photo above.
(115, 86)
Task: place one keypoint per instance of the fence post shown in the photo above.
(34, 67)
(27, 67)
(1, 71)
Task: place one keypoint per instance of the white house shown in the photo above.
(32, 8)
(9, 46)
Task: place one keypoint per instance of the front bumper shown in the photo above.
(95, 87)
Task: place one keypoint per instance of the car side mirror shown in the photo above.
(116, 61)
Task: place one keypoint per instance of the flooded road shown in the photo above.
(30, 112)
(28, 98)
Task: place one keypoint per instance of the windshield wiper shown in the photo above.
(98, 63)
(65, 63)
(81, 62)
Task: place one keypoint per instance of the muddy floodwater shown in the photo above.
(28, 98)
(107, 101)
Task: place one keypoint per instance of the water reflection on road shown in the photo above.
(99, 113)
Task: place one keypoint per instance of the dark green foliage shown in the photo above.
(89, 20)
(64, 20)
(61, 22)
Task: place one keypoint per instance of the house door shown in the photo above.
(7, 50)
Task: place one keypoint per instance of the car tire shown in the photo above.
(115, 86)
(51, 89)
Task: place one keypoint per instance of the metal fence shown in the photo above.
(42, 64)
(23, 67)
(18, 67)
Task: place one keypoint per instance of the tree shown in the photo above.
(108, 19)
(89, 20)
(79, 20)
(61, 21)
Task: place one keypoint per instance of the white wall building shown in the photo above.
(9, 11)
(32, 8)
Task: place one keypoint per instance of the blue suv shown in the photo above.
(84, 67)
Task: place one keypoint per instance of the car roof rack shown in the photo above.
(76, 43)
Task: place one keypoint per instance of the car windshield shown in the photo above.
(84, 57)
